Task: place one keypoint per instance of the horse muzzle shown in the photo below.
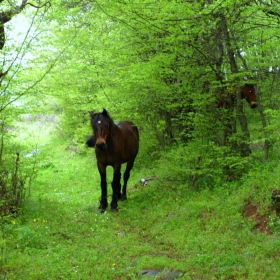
(253, 105)
(101, 146)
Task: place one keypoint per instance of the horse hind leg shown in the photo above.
(126, 176)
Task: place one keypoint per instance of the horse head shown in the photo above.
(101, 124)
(248, 93)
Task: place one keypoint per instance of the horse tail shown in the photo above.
(90, 142)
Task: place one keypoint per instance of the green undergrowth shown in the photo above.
(203, 233)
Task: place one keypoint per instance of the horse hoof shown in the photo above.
(101, 210)
(114, 209)
(124, 198)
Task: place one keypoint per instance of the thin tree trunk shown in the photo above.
(267, 144)
(244, 146)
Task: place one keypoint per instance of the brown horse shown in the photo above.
(115, 144)
(247, 92)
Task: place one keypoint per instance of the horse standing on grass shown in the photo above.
(115, 144)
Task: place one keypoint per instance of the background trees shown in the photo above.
(162, 64)
(17, 90)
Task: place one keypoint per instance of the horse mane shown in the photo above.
(110, 121)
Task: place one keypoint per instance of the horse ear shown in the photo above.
(105, 113)
(91, 114)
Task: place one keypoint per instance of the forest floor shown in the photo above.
(164, 229)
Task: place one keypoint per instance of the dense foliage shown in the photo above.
(18, 96)
(164, 64)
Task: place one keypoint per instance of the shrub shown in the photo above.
(15, 179)
(16, 174)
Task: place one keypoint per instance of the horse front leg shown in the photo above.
(103, 201)
(116, 187)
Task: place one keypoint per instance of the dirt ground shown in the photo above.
(261, 221)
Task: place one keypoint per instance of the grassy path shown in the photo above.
(60, 234)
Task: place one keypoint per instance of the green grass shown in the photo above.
(59, 233)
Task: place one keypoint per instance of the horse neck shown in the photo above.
(114, 131)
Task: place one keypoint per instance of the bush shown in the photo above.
(15, 179)
(16, 173)
(200, 165)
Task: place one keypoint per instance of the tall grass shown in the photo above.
(166, 224)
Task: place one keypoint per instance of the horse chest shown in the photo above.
(107, 157)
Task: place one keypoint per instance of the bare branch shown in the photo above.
(39, 6)
(52, 65)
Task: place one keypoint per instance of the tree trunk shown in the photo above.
(267, 144)
(245, 136)
(244, 145)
